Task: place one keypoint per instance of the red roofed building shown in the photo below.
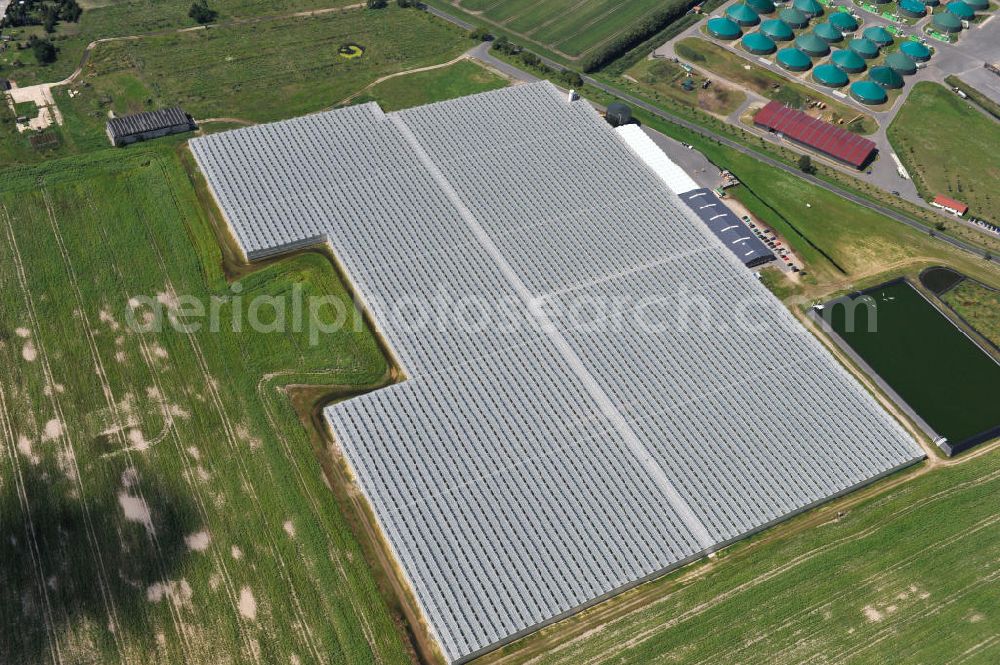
(951, 205)
(821, 136)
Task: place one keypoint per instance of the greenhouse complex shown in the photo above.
(529, 468)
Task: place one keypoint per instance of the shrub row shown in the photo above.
(566, 76)
(641, 31)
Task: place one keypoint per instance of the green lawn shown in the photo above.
(937, 370)
(701, 53)
(979, 305)
(463, 78)
(909, 576)
(949, 148)
(243, 555)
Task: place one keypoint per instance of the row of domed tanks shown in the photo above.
(849, 59)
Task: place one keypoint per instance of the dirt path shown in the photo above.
(235, 121)
(407, 72)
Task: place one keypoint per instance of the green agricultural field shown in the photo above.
(160, 500)
(937, 370)
(979, 305)
(120, 18)
(706, 55)
(257, 72)
(462, 78)
(910, 575)
(567, 28)
(949, 148)
(665, 77)
(277, 69)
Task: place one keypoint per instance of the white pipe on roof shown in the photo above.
(672, 175)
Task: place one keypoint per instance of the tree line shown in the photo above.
(635, 35)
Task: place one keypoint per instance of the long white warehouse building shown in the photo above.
(597, 390)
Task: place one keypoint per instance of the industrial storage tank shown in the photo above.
(849, 61)
(793, 60)
(828, 33)
(901, 63)
(878, 34)
(961, 10)
(794, 18)
(916, 50)
(811, 44)
(843, 21)
(887, 77)
(866, 48)
(830, 75)
(777, 30)
(947, 22)
(978, 5)
(759, 44)
(743, 14)
(762, 6)
(912, 8)
(869, 93)
(723, 28)
(810, 8)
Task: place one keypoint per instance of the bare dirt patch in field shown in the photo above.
(248, 604)
(177, 591)
(136, 510)
(24, 447)
(198, 542)
(53, 430)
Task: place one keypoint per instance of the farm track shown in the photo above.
(29, 306)
(405, 72)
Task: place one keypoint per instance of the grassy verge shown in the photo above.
(977, 97)
(949, 148)
(979, 305)
(159, 483)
